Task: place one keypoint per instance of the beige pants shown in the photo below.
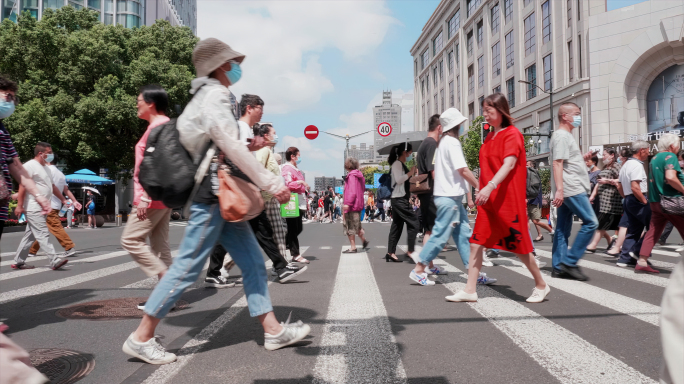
(15, 365)
(155, 258)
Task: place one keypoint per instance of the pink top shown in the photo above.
(353, 191)
(139, 153)
(292, 175)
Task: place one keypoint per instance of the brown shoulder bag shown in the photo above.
(419, 184)
(239, 200)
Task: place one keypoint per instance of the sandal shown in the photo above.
(538, 239)
(300, 259)
(365, 244)
(351, 251)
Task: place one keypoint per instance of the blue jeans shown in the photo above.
(639, 218)
(578, 205)
(205, 229)
(452, 220)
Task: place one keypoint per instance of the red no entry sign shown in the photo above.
(384, 129)
(311, 132)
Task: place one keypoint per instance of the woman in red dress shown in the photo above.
(502, 209)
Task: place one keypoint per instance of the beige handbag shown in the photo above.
(239, 200)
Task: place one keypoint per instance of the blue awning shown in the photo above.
(86, 176)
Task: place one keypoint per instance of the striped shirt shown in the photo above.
(7, 155)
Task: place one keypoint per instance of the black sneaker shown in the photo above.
(491, 254)
(574, 272)
(218, 282)
(290, 271)
(557, 273)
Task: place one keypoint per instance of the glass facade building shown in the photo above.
(129, 13)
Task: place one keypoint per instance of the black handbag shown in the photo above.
(672, 205)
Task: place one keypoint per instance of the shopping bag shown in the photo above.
(291, 208)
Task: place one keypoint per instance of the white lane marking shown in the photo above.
(326, 247)
(26, 272)
(665, 253)
(381, 246)
(627, 273)
(357, 341)
(167, 372)
(636, 308)
(565, 355)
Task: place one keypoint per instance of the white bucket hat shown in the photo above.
(450, 119)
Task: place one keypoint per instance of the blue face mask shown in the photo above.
(234, 74)
(409, 157)
(6, 109)
(299, 160)
(576, 121)
(50, 157)
(275, 139)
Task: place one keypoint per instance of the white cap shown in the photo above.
(451, 118)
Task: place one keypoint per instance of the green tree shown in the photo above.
(368, 174)
(472, 143)
(79, 79)
(545, 175)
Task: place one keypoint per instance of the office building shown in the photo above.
(388, 112)
(361, 152)
(129, 13)
(322, 183)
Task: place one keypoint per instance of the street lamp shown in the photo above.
(347, 137)
(550, 93)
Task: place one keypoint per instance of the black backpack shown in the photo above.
(533, 184)
(385, 189)
(167, 172)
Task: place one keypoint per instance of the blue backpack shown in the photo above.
(385, 189)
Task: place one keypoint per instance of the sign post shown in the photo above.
(384, 129)
(311, 132)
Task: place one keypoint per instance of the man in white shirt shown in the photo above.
(36, 226)
(634, 185)
(251, 110)
(53, 222)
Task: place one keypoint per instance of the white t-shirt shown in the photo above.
(448, 160)
(41, 176)
(633, 170)
(246, 132)
(398, 179)
(59, 180)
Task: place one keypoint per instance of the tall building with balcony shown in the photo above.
(388, 112)
(469, 49)
(129, 13)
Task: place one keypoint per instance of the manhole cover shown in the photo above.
(114, 309)
(62, 366)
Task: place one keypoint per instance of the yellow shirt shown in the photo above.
(266, 158)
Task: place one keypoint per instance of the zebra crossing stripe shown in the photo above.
(26, 272)
(666, 253)
(638, 309)
(357, 341)
(627, 273)
(565, 355)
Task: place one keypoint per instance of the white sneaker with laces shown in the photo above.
(538, 295)
(421, 279)
(484, 280)
(486, 262)
(291, 333)
(70, 252)
(151, 351)
(461, 296)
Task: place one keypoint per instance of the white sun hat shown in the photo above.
(451, 118)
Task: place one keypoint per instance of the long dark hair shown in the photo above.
(611, 151)
(397, 151)
(498, 101)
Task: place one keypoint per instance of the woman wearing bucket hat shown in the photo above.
(451, 175)
(208, 117)
(502, 209)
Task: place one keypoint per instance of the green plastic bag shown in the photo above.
(291, 209)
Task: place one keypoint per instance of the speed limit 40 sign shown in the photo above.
(384, 129)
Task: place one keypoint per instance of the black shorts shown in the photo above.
(608, 221)
(624, 221)
(428, 209)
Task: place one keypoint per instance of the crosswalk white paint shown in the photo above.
(565, 355)
(26, 272)
(326, 247)
(627, 273)
(357, 342)
(665, 253)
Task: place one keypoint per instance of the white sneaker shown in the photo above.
(461, 296)
(435, 271)
(538, 295)
(486, 262)
(540, 263)
(224, 273)
(70, 252)
(421, 279)
(484, 280)
(291, 333)
(151, 352)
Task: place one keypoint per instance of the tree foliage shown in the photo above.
(368, 174)
(472, 143)
(79, 79)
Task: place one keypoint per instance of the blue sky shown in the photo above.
(323, 63)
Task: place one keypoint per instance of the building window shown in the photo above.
(495, 18)
(471, 112)
(422, 87)
(427, 82)
(496, 59)
(571, 65)
(546, 22)
(510, 55)
(424, 59)
(441, 97)
(497, 89)
(441, 69)
(548, 73)
(469, 43)
(508, 10)
(569, 2)
(458, 54)
(437, 44)
(579, 52)
(450, 61)
(480, 72)
(480, 101)
(579, 10)
(480, 33)
(472, 5)
(532, 80)
(451, 93)
(510, 89)
(526, 3)
(458, 89)
(436, 105)
(454, 24)
(530, 35)
(471, 80)
(434, 76)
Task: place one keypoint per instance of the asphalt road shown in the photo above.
(370, 323)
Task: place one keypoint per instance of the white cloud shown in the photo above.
(282, 41)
